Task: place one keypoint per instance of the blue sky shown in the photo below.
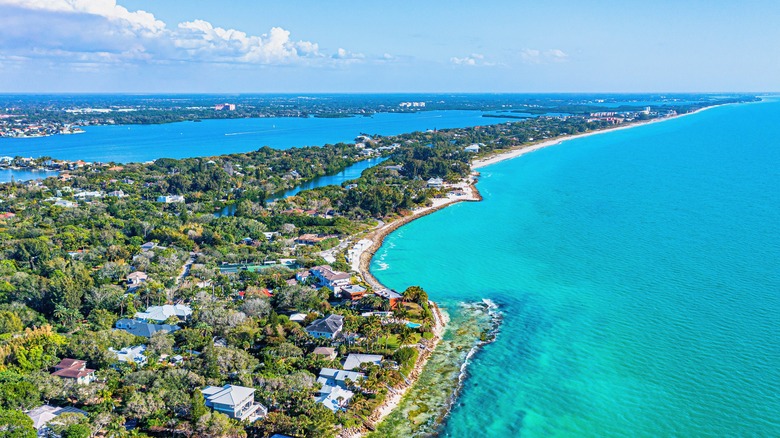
(398, 46)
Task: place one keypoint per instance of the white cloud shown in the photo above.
(346, 55)
(473, 59)
(535, 56)
(103, 31)
(138, 20)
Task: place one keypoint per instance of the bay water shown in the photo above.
(638, 272)
(138, 143)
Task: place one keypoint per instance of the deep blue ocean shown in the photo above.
(639, 275)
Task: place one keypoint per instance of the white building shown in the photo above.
(162, 313)
(236, 402)
(435, 183)
(170, 199)
(334, 393)
(131, 354)
(331, 279)
(354, 360)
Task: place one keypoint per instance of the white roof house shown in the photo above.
(65, 203)
(435, 182)
(42, 415)
(131, 354)
(234, 401)
(472, 148)
(334, 393)
(162, 313)
(335, 400)
(354, 360)
(298, 317)
(170, 199)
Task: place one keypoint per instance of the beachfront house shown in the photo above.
(435, 183)
(473, 148)
(390, 295)
(74, 369)
(161, 314)
(326, 328)
(334, 393)
(353, 292)
(354, 360)
(237, 402)
(144, 329)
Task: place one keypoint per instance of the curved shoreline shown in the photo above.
(377, 237)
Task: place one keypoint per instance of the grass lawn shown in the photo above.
(392, 341)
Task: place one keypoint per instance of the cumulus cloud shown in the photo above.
(104, 31)
(535, 56)
(346, 55)
(473, 59)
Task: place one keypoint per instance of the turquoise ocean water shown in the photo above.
(639, 276)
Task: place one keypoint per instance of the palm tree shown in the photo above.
(405, 336)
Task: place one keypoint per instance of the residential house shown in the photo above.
(170, 199)
(390, 295)
(327, 328)
(309, 239)
(74, 369)
(298, 317)
(88, 195)
(435, 183)
(328, 353)
(65, 203)
(331, 279)
(335, 400)
(236, 402)
(474, 148)
(148, 246)
(302, 276)
(334, 392)
(354, 360)
(161, 314)
(131, 354)
(43, 415)
(353, 291)
(144, 329)
(136, 278)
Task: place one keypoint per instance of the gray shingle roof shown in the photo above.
(330, 324)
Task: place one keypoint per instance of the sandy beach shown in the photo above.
(525, 149)
(363, 254)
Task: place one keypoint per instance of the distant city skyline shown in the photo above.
(204, 46)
